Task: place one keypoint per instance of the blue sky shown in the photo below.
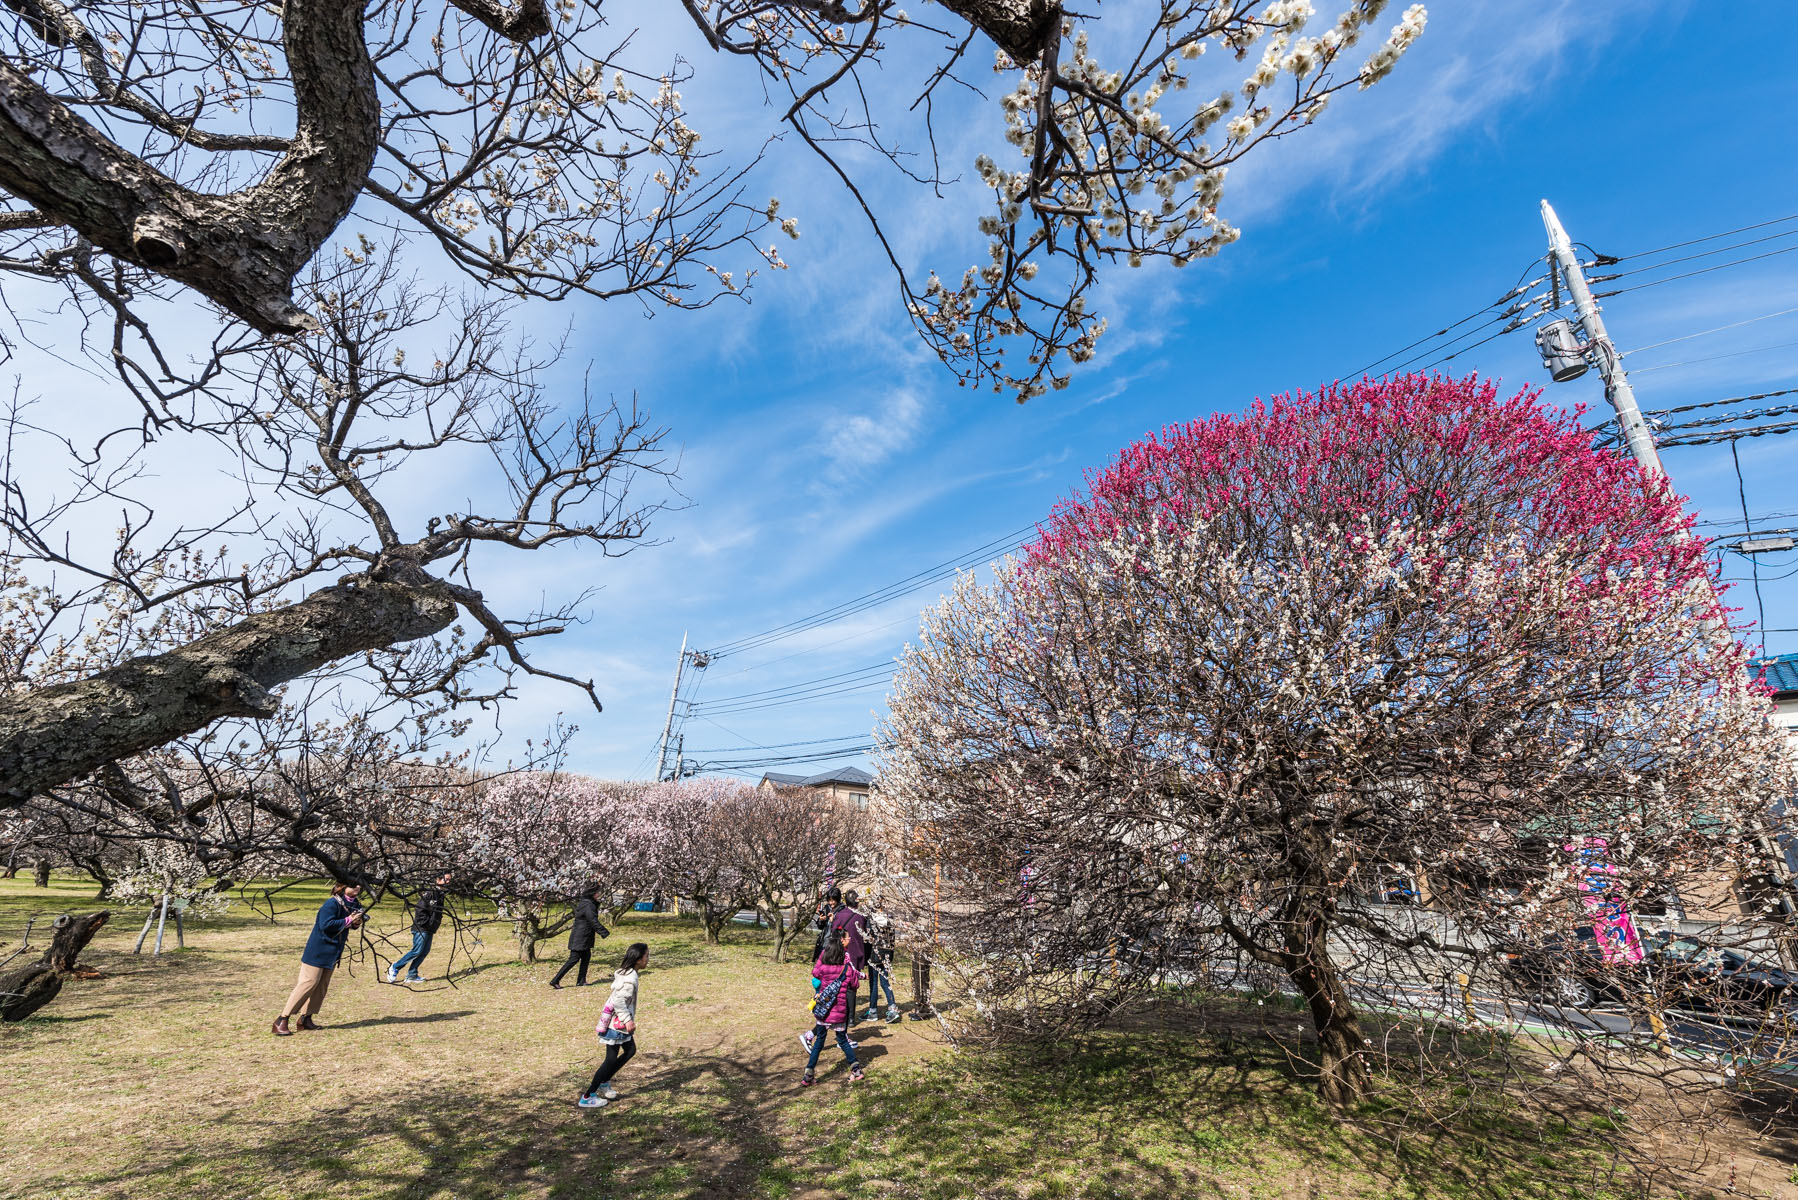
(824, 453)
(824, 457)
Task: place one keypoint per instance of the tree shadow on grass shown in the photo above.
(705, 1123)
(423, 1019)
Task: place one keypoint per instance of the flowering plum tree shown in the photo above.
(783, 843)
(1396, 623)
(532, 840)
(694, 821)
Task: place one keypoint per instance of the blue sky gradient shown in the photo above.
(824, 455)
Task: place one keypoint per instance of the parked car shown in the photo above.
(1680, 972)
(1696, 974)
(1570, 971)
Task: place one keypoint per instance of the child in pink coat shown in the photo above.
(836, 979)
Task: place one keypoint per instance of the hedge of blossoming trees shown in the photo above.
(1396, 622)
(786, 846)
(535, 841)
(236, 157)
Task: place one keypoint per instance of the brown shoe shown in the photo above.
(306, 1022)
(281, 1029)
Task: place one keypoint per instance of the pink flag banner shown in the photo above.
(1611, 923)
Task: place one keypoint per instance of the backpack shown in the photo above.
(827, 998)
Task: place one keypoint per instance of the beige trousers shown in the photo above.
(309, 992)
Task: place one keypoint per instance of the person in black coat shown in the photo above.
(427, 915)
(580, 938)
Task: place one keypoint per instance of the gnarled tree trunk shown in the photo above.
(51, 735)
(1344, 1076)
(25, 990)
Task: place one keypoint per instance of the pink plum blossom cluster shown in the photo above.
(1398, 626)
(533, 840)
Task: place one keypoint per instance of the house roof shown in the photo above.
(852, 776)
(1780, 673)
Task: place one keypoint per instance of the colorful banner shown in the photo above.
(1616, 933)
(830, 866)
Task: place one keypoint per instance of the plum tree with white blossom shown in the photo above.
(1404, 622)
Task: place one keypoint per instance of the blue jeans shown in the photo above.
(877, 980)
(818, 1032)
(421, 946)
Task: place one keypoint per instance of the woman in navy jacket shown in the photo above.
(330, 930)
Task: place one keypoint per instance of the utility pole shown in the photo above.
(1598, 344)
(680, 666)
(1640, 441)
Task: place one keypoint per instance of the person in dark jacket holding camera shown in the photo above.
(580, 938)
(339, 914)
(427, 915)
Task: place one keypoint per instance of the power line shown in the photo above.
(884, 665)
(800, 698)
(1687, 362)
(1709, 237)
(848, 737)
(1707, 332)
(1680, 408)
(1636, 287)
(1673, 262)
(917, 581)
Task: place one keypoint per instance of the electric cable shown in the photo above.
(1709, 237)
(1707, 332)
(1636, 287)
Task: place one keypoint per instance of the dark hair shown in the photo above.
(834, 895)
(635, 953)
(340, 888)
(832, 955)
(851, 898)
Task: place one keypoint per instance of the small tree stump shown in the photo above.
(25, 990)
(40, 877)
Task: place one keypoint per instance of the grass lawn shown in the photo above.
(161, 1079)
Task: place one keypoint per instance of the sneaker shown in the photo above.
(589, 1100)
(807, 1079)
(805, 1039)
(893, 1017)
(871, 1014)
(393, 975)
(415, 979)
(281, 1029)
(854, 1045)
(855, 1075)
(609, 1092)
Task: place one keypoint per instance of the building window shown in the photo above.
(860, 798)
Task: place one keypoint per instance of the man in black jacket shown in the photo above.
(580, 938)
(427, 915)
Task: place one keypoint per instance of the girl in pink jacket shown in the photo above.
(836, 979)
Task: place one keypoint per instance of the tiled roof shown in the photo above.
(850, 775)
(1781, 673)
(781, 780)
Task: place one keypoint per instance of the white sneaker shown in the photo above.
(805, 1039)
(393, 976)
(609, 1092)
(591, 1101)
